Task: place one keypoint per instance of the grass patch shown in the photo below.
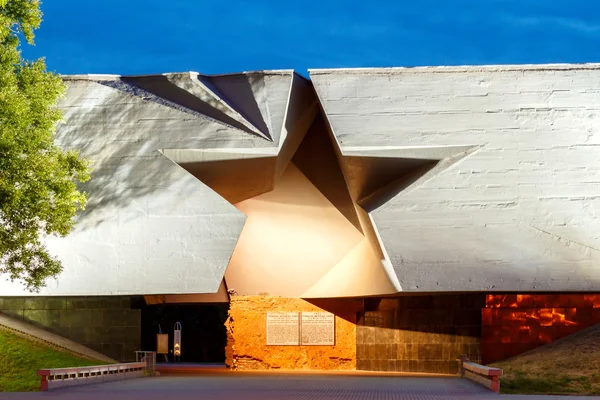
(570, 365)
(519, 382)
(20, 358)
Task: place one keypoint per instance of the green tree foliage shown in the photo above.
(38, 193)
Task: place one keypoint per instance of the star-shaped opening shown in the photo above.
(309, 233)
(309, 201)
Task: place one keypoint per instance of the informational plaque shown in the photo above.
(162, 343)
(283, 329)
(318, 329)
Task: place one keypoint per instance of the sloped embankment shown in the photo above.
(570, 365)
(20, 358)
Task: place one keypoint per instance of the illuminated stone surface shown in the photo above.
(515, 323)
(247, 348)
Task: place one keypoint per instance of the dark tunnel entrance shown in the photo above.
(203, 334)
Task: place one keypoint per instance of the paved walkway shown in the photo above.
(279, 387)
(35, 333)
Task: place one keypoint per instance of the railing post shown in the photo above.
(463, 359)
(487, 376)
(495, 386)
(44, 383)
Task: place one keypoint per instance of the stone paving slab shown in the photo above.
(281, 387)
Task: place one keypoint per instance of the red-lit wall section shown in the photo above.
(516, 323)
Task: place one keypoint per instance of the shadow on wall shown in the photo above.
(346, 309)
(419, 333)
(121, 134)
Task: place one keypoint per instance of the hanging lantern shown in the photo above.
(177, 340)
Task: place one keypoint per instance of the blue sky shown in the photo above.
(150, 36)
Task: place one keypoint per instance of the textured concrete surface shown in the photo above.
(35, 333)
(149, 226)
(508, 202)
(220, 297)
(518, 213)
(282, 387)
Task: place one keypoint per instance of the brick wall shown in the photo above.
(105, 324)
(516, 323)
(247, 348)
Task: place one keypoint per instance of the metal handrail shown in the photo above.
(60, 377)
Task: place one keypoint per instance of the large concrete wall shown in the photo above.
(150, 227)
(521, 211)
(508, 200)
